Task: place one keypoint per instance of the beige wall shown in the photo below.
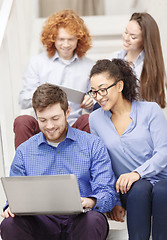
(82, 7)
(113, 7)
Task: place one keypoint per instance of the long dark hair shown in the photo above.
(152, 80)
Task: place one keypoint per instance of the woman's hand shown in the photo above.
(7, 213)
(87, 103)
(126, 180)
(117, 214)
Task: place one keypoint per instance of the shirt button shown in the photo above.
(59, 170)
(96, 207)
(58, 152)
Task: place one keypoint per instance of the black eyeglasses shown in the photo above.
(102, 91)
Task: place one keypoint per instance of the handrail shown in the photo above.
(4, 16)
(4, 146)
(5, 12)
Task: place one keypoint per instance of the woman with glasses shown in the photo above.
(135, 133)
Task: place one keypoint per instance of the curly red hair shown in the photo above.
(73, 24)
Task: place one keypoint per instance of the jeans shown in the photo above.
(143, 201)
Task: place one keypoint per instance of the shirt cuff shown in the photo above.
(6, 206)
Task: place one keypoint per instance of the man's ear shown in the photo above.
(68, 111)
(120, 85)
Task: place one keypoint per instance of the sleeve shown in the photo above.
(92, 123)
(102, 178)
(158, 130)
(18, 166)
(30, 83)
(17, 169)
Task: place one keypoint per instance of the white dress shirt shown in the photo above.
(42, 69)
(137, 65)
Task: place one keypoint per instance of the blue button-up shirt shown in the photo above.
(143, 145)
(81, 154)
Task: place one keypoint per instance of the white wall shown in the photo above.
(1, 3)
(14, 54)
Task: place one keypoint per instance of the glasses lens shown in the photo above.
(94, 94)
(102, 91)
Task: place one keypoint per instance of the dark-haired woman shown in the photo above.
(135, 133)
(142, 49)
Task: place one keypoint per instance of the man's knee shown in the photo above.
(6, 226)
(19, 228)
(96, 221)
(22, 121)
(91, 225)
(94, 217)
(82, 123)
(25, 126)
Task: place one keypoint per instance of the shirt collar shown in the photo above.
(41, 139)
(70, 135)
(133, 115)
(139, 59)
(132, 112)
(57, 57)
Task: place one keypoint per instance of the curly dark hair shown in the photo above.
(119, 70)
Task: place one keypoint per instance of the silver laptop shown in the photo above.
(73, 95)
(34, 195)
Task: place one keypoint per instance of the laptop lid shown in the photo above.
(73, 95)
(34, 195)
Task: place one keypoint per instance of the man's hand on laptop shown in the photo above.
(88, 202)
(7, 213)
